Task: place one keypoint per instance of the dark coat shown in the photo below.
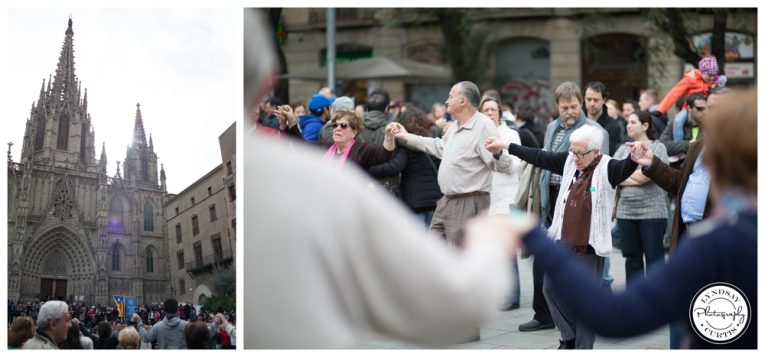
(367, 155)
(676, 147)
(419, 179)
(612, 128)
(527, 137)
(673, 181)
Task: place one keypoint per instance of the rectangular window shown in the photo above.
(209, 190)
(217, 247)
(198, 253)
(193, 201)
(176, 210)
(194, 225)
(181, 286)
(213, 214)
(178, 234)
(229, 170)
(180, 260)
(232, 193)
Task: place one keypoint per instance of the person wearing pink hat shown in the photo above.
(699, 80)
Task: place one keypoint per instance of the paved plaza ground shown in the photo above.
(502, 331)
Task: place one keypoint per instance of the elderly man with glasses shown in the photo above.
(582, 214)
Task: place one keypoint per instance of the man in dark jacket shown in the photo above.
(595, 95)
(375, 121)
(696, 104)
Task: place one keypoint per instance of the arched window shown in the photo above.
(144, 168)
(116, 257)
(148, 217)
(40, 132)
(619, 61)
(115, 215)
(149, 260)
(63, 133)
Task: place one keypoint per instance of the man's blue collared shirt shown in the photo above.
(694, 198)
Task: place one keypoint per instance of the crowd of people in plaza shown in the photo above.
(51, 323)
(597, 173)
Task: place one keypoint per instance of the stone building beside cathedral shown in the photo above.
(73, 231)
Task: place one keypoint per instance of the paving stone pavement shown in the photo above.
(502, 331)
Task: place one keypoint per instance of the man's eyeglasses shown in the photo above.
(341, 125)
(580, 155)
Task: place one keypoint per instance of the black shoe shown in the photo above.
(508, 307)
(567, 344)
(535, 325)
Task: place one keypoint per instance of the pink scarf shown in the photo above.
(333, 149)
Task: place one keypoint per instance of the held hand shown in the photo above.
(507, 230)
(389, 131)
(640, 153)
(494, 144)
(442, 123)
(397, 130)
(135, 318)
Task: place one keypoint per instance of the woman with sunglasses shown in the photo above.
(346, 125)
(641, 209)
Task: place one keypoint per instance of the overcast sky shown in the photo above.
(180, 64)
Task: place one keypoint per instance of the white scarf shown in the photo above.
(602, 205)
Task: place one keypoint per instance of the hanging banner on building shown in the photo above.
(130, 306)
(120, 302)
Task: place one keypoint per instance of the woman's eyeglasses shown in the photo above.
(580, 155)
(341, 125)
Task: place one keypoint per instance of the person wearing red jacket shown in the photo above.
(699, 80)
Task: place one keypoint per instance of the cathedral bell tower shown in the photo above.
(58, 132)
(140, 159)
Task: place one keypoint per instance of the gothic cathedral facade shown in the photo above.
(73, 231)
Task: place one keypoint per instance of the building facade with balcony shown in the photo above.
(201, 222)
(532, 50)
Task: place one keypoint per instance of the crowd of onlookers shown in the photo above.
(656, 187)
(51, 323)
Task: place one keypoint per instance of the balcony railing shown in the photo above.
(209, 261)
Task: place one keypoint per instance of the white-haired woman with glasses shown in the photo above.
(346, 125)
(582, 215)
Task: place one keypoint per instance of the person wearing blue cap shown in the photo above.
(311, 123)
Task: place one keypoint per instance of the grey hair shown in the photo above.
(471, 92)
(588, 134)
(568, 90)
(259, 55)
(49, 311)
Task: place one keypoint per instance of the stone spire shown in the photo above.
(162, 177)
(65, 82)
(102, 161)
(139, 135)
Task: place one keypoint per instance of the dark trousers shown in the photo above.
(641, 238)
(539, 303)
(570, 328)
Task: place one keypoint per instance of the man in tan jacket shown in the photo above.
(53, 322)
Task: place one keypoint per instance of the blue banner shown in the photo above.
(130, 306)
